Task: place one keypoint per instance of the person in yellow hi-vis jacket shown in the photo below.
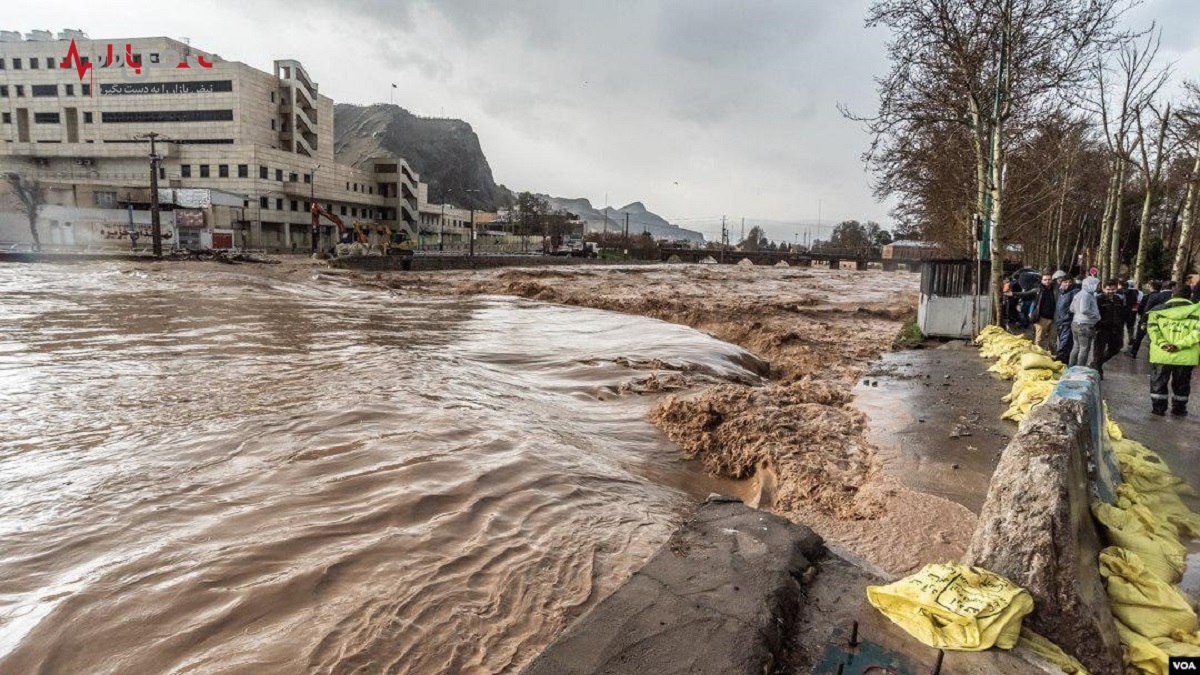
(1174, 330)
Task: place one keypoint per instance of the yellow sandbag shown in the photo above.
(1032, 360)
(1142, 601)
(1142, 657)
(1144, 470)
(1166, 505)
(1139, 531)
(1173, 647)
(1051, 653)
(1025, 396)
(955, 607)
(1036, 374)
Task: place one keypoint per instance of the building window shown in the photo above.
(279, 175)
(87, 118)
(278, 204)
(293, 177)
(223, 171)
(20, 90)
(264, 203)
(33, 63)
(343, 209)
(137, 58)
(262, 172)
(50, 62)
(105, 200)
(86, 88)
(168, 116)
(185, 170)
(70, 90)
(4, 90)
(272, 125)
(153, 57)
(16, 64)
(243, 170)
(354, 211)
(2, 64)
(308, 178)
(295, 205)
(8, 118)
(45, 118)
(162, 173)
(371, 189)
(42, 90)
(204, 171)
(307, 206)
(347, 185)
(272, 97)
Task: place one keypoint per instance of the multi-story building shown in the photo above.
(75, 114)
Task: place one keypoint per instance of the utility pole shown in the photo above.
(442, 226)
(155, 222)
(627, 229)
(743, 228)
(724, 238)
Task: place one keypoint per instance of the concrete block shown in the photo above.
(1036, 526)
(720, 597)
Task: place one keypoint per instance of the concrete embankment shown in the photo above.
(1036, 526)
(720, 597)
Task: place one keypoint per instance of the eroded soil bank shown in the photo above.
(797, 433)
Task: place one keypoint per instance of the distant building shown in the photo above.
(72, 110)
(908, 249)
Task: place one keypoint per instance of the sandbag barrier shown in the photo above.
(1139, 511)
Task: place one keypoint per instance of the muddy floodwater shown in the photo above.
(203, 471)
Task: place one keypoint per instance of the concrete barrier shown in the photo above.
(720, 597)
(1036, 526)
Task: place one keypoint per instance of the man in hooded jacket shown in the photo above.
(1085, 315)
(1174, 330)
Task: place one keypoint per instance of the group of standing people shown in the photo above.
(1088, 323)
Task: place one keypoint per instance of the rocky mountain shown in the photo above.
(447, 155)
(445, 152)
(640, 219)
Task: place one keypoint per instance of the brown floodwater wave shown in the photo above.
(211, 472)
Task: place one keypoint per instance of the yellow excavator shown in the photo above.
(389, 242)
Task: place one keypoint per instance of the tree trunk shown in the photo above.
(1139, 266)
(996, 244)
(1106, 223)
(1189, 218)
(1114, 241)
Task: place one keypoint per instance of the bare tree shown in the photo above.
(30, 197)
(1137, 82)
(1191, 120)
(990, 66)
(1151, 176)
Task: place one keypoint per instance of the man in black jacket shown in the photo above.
(1157, 297)
(1041, 310)
(1110, 332)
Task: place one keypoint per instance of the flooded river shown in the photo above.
(211, 472)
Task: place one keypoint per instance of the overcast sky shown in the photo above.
(698, 108)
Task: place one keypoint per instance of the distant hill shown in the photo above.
(640, 219)
(445, 152)
(447, 155)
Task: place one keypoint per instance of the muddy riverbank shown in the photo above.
(797, 436)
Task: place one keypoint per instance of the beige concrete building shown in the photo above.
(74, 113)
